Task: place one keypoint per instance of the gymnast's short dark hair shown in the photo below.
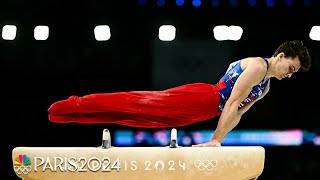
(293, 49)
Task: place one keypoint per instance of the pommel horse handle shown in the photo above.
(118, 163)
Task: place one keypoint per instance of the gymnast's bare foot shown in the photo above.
(66, 106)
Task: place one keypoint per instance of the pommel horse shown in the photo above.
(136, 163)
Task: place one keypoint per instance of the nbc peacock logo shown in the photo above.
(22, 164)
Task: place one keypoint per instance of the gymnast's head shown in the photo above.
(290, 57)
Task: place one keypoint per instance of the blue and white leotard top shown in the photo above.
(226, 83)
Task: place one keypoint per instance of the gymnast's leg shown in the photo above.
(190, 103)
(126, 119)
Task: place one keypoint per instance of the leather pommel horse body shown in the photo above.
(136, 163)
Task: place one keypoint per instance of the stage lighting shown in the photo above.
(235, 33)
(161, 3)
(315, 33)
(102, 32)
(9, 32)
(41, 32)
(179, 2)
(196, 3)
(221, 32)
(142, 2)
(224, 32)
(289, 3)
(252, 3)
(233, 3)
(215, 3)
(270, 3)
(167, 32)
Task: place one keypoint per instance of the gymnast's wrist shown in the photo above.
(216, 138)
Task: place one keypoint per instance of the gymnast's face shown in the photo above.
(286, 66)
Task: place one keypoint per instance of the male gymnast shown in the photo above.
(245, 82)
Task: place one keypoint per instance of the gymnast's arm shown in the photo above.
(244, 109)
(231, 114)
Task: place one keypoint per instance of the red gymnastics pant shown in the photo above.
(178, 106)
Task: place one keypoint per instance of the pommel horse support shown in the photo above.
(136, 163)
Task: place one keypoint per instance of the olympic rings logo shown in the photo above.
(22, 169)
(206, 164)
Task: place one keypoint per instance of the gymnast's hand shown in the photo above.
(212, 143)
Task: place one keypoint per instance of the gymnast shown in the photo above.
(245, 82)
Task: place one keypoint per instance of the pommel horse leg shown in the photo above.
(157, 163)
